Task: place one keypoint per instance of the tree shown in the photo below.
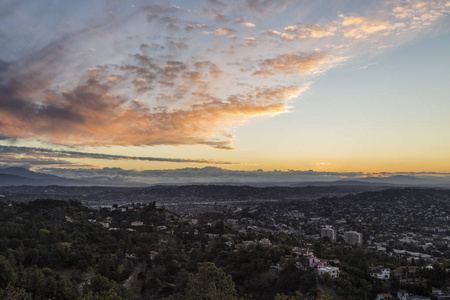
(7, 274)
(111, 294)
(300, 296)
(14, 293)
(36, 280)
(210, 283)
(100, 284)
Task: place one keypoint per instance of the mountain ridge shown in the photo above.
(22, 176)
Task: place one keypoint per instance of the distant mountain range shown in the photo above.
(405, 180)
(22, 176)
(16, 176)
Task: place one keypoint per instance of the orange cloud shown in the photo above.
(223, 31)
(310, 31)
(420, 14)
(94, 114)
(301, 63)
(248, 24)
(360, 27)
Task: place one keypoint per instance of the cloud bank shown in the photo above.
(223, 176)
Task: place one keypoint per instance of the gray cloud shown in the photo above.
(8, 160)
(192, 27)
(206, 174)
(10, 154)
(266, 7)
(217, 3)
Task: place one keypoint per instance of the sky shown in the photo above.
(338, 88)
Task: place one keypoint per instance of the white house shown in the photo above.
(332, 271)
(381, 273)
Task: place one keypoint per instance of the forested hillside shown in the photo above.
(52, 249)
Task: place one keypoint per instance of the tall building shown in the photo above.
(353, 237)
(329, 232)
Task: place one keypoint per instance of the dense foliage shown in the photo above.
(52, 249)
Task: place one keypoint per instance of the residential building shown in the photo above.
(315, 262)
(440, 295)
(332, 271)
(381, 273)
(265, 242)
(383, 296)
(353, 237)
(302, 252)
(232, 221)
(408, 275)
(328, 232)
(405, 296)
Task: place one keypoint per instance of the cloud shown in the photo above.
(286, 36)
(419, 14)
(366, 66)
(213, 175)
(10, 160)
(46, 156)
(271, 32)
(115, 76)
(248, 24)
(266, 7)
(223, 31)
(251, 41)
(162, 13)
(217, 3)
(303, 32)
(94, 114)
(196, 26)
(277, 33)
(402, 12)
(203, 175)
(153, 97)
(177, 46)
(299, 63)
(311, 31)
(360, 27)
